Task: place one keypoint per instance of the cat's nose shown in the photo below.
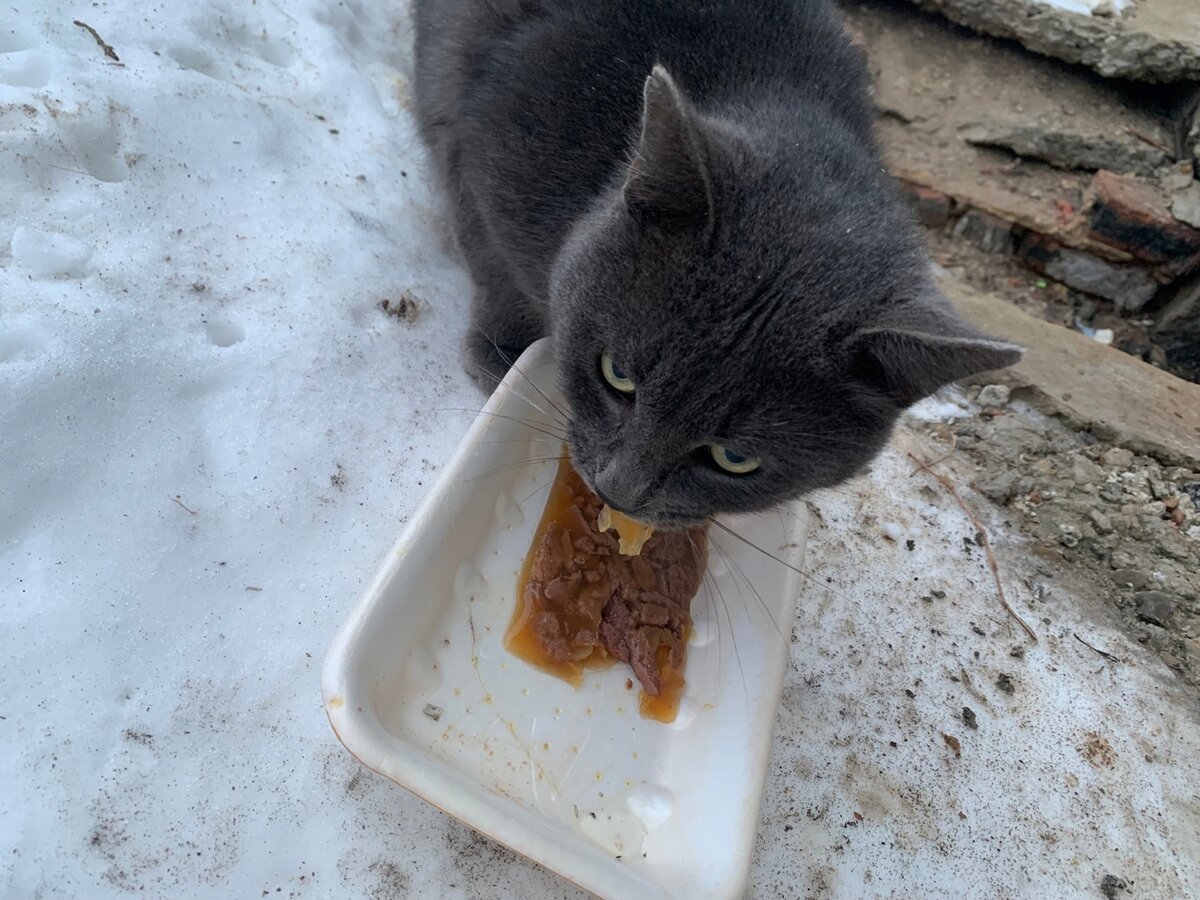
(618, 485)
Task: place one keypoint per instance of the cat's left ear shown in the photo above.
(668, 182)
(922, 345)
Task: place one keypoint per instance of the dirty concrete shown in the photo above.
(1113, 395)
(1149, 40)
(1073, 175)
(951, 84)
(1123, 523)
(1177, 330)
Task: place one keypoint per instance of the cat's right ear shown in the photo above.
(916, 348)
(667, 183)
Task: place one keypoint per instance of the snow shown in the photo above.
(1091, 7)
(211, 433)
(945, 406)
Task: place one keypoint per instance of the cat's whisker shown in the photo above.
(749, 543)
(526, 440)
(563, 416)
(555, 419)
(732, 635)
(758, 596)
(715, 621)
(513, 465)
(536, 490)
(531, 424)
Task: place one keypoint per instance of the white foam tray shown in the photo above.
(573, 779)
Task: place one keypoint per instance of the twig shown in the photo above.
(181, 504)
(987, 544)
(1103, 653)
(104, 45)
(941, 459)
(1146, 139)
(251, 587)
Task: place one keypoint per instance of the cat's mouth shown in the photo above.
(657, 519)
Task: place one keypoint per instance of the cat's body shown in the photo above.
(685, 194)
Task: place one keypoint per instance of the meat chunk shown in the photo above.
(582, 602)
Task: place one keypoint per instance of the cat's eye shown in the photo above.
(732, 461)
(614, 374)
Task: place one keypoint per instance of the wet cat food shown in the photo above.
(631, 534)
(583, 602)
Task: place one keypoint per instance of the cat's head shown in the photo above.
(745, 315)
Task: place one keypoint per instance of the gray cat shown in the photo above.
(686, 195)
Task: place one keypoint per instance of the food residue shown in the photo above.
(631, 534)
(584, 602)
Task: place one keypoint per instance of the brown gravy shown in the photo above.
(582, 605)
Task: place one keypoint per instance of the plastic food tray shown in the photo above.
(418, 685)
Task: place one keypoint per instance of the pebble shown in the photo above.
(1045, 466)
(1170, 546)
(1131, 578)
(994, 395)
(1121, 560)
(1117, 458)
(1102, 522)
(1084, 471)
(1154, 607)
(1161, 490)
(1068, 536)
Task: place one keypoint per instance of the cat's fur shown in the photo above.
(693, 186)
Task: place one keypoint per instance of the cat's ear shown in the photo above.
(922, 345)
(667, 182)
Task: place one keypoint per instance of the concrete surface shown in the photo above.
(952, 85)
(1096, 387)
(1149, 40)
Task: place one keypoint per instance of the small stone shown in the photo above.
(1102, 522)
(1111, 886)
(1185, 205)
(1121, 560)
(1005, 682)
(1045, 466)
(970, 718)
(1131, 578)
(1160, 489)
(989, 233)
(1112, 492)
(1000, 488)
(1154, 607)
(1068, 535)
(994, 395)
(1152, 510)
(1117, 458)
(1084, 471)
(1170, 546)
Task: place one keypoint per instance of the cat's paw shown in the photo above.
(487, 362)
